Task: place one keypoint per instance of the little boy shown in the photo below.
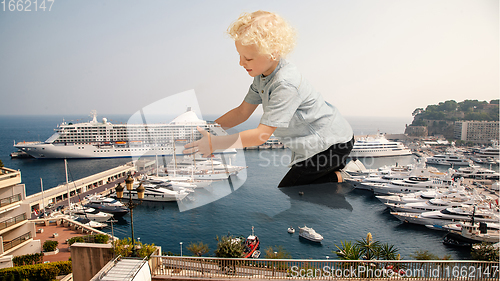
(318, 136)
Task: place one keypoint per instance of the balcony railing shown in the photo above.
(9, 244)
(12, 221)
(9, 200)
(190, 267)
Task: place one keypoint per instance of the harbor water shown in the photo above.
(336, 211)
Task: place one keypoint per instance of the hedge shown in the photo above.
(50, 245)
(37, 272)
(97, 238)
(28, 259)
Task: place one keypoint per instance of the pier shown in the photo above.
(100, 183)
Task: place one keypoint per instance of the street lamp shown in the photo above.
(129, 183)
(181, 248)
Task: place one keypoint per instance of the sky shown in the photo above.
(366, 57)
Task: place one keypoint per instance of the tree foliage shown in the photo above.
(229, 247)
(426, 255)
(198, 249)
(450, 110)
(367, 249)
(485, 252)
(124, 247)
(277, 252)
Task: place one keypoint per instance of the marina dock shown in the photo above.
(100, 183)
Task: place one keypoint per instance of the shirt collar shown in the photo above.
(270, 76)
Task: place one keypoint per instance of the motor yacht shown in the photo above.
(309, 234)
(435, 204)
(449, 160)
(91, 214)
(449, 215)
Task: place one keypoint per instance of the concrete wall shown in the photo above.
(6, 261)
(34, 246)
(88, 258)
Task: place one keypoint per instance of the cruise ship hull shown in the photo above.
(382, 153)
(82, 151)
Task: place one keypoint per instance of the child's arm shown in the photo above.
(237, 115)
(209, 143)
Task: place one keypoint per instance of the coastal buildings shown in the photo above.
(16, 232)
(476, 131)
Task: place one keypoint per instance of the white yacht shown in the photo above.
(91, 214)
(156, 193)
(448, 159)
(309, 234)
(409, 185)
(205, 169)
(378, 146)
(448, 215)
(435, 204)
(454, 193)
(476, 172)
(103, 139)
(404, 198)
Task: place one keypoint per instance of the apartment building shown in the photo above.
(477, 131)
(16, 232)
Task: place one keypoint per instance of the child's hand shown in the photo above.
(202, 146)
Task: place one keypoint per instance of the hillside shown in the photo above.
(440, 118)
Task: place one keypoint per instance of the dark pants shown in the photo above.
(320, 168)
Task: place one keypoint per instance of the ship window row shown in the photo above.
(128, 150)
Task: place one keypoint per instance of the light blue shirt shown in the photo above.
(305, 122)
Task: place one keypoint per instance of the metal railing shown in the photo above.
(9, 200)
(190, 267)
(7, 245)
(12, 221)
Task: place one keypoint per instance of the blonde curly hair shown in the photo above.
(271, 33)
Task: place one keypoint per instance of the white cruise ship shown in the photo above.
(378, 146)
(96, 139)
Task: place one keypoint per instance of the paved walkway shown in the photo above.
(63, 233)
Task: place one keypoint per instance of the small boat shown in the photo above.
(91, 214)
(252, 246)
(291, 230)
(309, 234)
(107, 205)
(91, 223)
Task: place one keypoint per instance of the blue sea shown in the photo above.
(336, 211)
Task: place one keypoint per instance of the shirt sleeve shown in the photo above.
(253, 96)
(284, 101)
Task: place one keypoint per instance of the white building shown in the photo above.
(16, 232)
(476, 131)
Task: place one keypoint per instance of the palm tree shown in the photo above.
(369, 248)
(348, 251)
(387, 252)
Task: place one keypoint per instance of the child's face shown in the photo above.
(254, 62)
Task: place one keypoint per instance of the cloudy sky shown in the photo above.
(367, 57)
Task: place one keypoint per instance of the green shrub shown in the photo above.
(97, 238)
(28, 259)
(37, 272)
(64, 267)
(123, 247)
(75, 239)
(101, 238)
(484, 252)
(50, 245)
